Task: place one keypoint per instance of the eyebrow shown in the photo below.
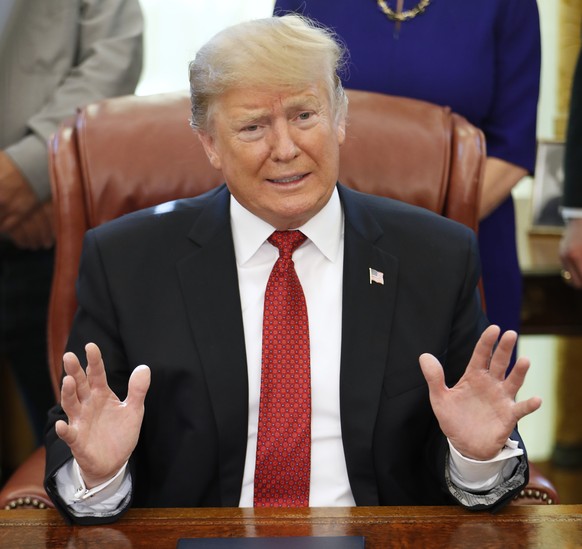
(254, 116)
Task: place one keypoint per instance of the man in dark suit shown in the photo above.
(181, 288)
(567, 450)
(571, 243)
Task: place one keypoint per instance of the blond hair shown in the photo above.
(277, 52)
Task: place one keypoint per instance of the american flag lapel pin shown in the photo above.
(376, 276)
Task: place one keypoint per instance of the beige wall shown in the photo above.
(560, 22)
(569, 18)
(175, 29)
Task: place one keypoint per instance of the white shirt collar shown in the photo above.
(325, 229)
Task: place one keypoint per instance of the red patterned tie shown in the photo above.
(284, 434)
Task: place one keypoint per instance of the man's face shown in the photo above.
(278, 151)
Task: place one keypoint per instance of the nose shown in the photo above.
(283, 146)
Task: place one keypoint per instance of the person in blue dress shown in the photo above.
(482, 59)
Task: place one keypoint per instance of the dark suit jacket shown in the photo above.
(573, 152)
(159, 287)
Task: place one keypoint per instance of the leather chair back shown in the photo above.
(128, 153)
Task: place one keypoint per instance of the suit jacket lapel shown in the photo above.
(367, 319)
(210, 285)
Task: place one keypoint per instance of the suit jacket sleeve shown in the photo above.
(92, 51)
(395, 451)
(503, 493)
(96, 317)
(573, 158)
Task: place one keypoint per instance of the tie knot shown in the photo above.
(287, 241)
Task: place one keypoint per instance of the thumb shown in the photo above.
(65, 432)
(139, 383)
(433, 373)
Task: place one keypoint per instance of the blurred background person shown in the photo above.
(571, 243)
(55, 55)
(481, 58)
(567, 451)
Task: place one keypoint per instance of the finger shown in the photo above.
(95, 367)
(65, 432)
(22, 235)
(18, 236)
(433, 373)
(10, 221)
(20, 210)
(73, 368)
(69, 398)
(139, 383)
(516, 377)
(481, 356)
(502, 355)
(571, 254)
(526, 407)
(35, 227)
(33, 234)
(575, 271)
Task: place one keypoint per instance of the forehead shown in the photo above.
(245, 101)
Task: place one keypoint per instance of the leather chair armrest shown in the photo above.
(25, 488)
(538, 491)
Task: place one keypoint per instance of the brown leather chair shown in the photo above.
(127, 153)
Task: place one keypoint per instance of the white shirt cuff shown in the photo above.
(571, 213)
(100, 500)
(481, 476)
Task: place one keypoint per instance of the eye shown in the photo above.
(251, 128)
(304, 116)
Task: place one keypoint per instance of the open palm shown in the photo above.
(479, 413)
(102, 431)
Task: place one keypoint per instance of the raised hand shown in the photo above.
(17, 199)
(102, 431)
(571, 252)
(479, 413)
(35, 231)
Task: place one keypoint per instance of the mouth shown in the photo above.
(288, 180)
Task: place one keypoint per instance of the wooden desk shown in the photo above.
(554, 526)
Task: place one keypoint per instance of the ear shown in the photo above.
(209, 144)
(341, 130)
